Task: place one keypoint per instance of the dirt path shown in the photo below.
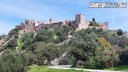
(90, 70)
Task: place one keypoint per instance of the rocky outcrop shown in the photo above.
(66, 41)
(4, 42)
(56, 61)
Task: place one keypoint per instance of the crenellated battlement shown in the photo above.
(79, 23)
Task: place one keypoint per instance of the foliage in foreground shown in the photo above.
(88, 48)
(13, 62)
(93, 51)
(45, 52)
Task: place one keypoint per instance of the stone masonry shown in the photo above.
(79, 23)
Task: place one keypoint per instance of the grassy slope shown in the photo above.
(46, 69)
(120, 68)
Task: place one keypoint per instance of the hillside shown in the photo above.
(63, 45)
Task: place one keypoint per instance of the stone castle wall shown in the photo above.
(79, 23)
(104, 26)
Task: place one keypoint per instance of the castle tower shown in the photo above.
(80, 18)
(29, 25)
(80, 21)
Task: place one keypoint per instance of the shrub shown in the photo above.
(119, 32)
(13, 62)
(45, 52)
(124, 56)
(93, 51)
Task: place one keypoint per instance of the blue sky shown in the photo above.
(13, 12)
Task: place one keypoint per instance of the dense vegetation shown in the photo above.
(87, 48)
(13, 62)
(93, 50)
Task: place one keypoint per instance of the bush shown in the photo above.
(13, 32)
(13, 62)
(25, 40)
(12, 43)
(119, 32)
(123, 42)
(68, 60)
(55, 35)
(124, 56)
(94, 51)
(106, 57)
(45, 52)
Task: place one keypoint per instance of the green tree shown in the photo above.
(45, 52)
(124, 56)
(122, 41)
(13, 32)
(55, 35)
(120, 32)
(26, 40)
(95, 50)
(12, 44)
(93, 22)
(13, 62)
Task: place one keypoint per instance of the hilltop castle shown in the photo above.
(79, 23)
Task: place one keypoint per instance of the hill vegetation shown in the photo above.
(87, 48)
